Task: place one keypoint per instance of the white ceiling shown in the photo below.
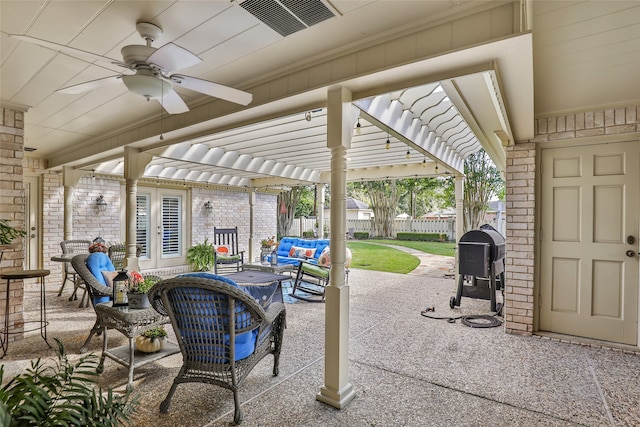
(490, 85)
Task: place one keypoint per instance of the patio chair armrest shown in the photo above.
(273, 311)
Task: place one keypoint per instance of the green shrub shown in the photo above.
(422, 237)
(360, 235)
(308, 234)
(62, 394)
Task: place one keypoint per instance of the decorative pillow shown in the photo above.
(298, 252)
(109, 276)
(222, 249)
(325, 258)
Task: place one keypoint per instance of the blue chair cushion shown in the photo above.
(246, 341)
(96, 263)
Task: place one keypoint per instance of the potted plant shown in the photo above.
(201, 257)
(266, 248)
(62, 392)
(151, 340)
(139, 285)
(8, 233)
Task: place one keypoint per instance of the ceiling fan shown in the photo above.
(152, 68)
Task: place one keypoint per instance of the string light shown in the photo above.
(388, 144)
(436, 168)
(358, 126)
(424, 162)
(408, 154)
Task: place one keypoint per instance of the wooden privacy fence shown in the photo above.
(445, 225)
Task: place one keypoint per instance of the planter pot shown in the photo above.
(148, 345)
(138, 301)
(264, 253)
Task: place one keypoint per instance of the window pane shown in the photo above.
(142, 223)
(171, 221)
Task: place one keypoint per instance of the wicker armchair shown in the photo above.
(118, 253)
(73, 247)
(221, 330)
(128, 322)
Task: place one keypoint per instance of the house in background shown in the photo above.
(356, 209)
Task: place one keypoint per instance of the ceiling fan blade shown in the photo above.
(81, 54)
(173, 57)
(91, 85)
(212, 89)
(172, 103)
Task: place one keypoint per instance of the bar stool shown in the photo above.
(42, 323)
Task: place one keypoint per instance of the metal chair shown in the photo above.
(234, 258)
(221, 330)
(128, 322)
(72, 247)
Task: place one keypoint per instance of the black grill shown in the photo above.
(481, 256)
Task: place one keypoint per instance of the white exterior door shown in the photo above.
(160, 227)
(589, 251)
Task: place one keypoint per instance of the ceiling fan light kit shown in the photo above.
(152, 67)
(147, 85)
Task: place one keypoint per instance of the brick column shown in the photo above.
(12, 208)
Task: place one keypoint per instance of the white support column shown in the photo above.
(337, 391)
(459, 193)
(320, 210)
(252, 232)
(70, 179)
(134, 165)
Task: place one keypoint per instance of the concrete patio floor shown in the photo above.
(406, 369)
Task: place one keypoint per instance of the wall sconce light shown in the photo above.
(101, 203)
(208, 206)
(307, 116)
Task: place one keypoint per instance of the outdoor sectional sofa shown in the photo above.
(303, 249)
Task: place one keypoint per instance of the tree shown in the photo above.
(287, 202)
(417, 195)
(482, 182)
(383, 199)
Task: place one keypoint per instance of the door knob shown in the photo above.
(631, 253)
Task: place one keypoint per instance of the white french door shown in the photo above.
(161, 226)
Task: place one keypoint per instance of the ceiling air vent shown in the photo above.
(288, 16)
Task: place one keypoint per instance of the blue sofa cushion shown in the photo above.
(284, 247)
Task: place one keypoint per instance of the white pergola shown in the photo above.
(326, 135)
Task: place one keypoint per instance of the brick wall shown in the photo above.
(520, 201)
(231, 209)
(12, 200)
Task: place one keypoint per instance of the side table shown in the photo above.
(130, 323)
(42, 323)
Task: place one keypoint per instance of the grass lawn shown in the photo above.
(371, 255)
(436, 248)
(367, 256)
